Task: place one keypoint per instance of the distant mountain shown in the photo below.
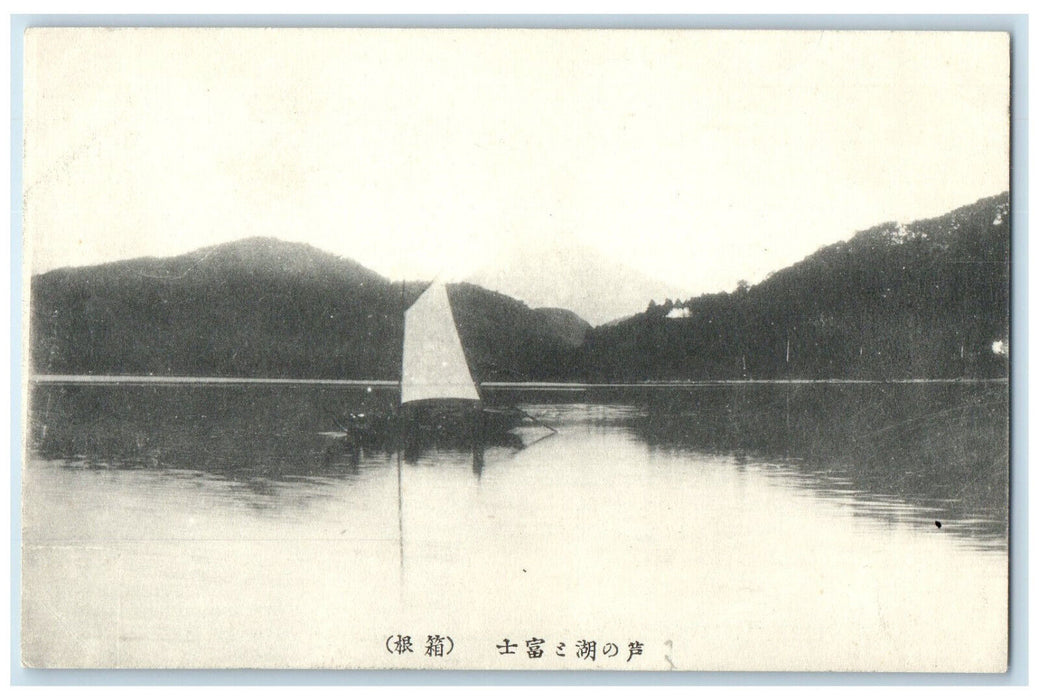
(576, 277)
(925, 300)
(261, 307)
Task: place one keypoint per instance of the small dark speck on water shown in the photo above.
(938, 524)
(524, 571)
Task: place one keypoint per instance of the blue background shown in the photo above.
(1015, 25)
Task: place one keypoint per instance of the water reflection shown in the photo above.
(895, 453)
(939, 451)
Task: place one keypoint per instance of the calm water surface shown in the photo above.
(738, 527)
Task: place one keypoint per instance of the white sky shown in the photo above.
(697, 157)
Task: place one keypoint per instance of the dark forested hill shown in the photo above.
(264, 308)
(924, 300)
(565, 324)
(505, 340)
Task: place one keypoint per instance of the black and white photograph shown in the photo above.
(515, 349)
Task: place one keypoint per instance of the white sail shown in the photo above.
(434, 365)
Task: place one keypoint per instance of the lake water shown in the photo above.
(747, 527)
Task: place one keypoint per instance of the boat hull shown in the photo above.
(428, 424)
(457, 419)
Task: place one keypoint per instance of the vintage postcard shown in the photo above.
(516, 349)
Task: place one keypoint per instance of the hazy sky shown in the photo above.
(698, 157)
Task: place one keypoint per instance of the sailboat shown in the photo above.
(437, 389)
(439, 399)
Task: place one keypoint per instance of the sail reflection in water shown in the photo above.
(735, 523)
